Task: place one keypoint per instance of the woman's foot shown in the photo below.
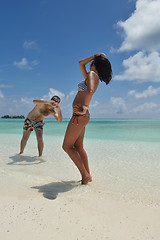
(86, 179)
(90, 178)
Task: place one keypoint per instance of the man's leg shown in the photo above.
(24, 140)
(39, 135)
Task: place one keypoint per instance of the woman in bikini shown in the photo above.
(100, 69)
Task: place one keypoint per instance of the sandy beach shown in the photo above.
(66, 210)
(42, 198)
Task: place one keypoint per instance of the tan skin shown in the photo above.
(42, 110)
(73, 140)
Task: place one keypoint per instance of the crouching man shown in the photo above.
(34, 120)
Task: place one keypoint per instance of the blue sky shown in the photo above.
(41, 42)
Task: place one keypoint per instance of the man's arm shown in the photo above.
(58, 115)
(40, 101)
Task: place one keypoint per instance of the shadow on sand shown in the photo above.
(25, 160)
(51, 190)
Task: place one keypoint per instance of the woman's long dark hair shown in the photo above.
(103, 67)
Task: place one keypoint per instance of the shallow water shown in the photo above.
(145, 130)
(124, 157)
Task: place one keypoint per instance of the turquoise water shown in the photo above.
(109, 129)
(124, 156)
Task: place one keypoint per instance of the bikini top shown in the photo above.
(82, 86)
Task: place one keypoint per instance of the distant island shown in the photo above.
(13, 116)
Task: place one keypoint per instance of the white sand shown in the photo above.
(61, 211)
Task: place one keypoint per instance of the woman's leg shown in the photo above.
(72, 133)
(24, 140)
(79, 147)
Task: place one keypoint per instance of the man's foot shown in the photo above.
(86, 179)
(20, 153)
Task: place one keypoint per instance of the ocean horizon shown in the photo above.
(97, 128)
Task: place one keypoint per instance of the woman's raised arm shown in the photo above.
(82, 65)
(83, 62)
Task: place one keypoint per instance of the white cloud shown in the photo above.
(118, 105)
(1, 94)
(53, 92)
(146, 93)
(5, 86)
(95, 104)
(71, 94)
(30, 45)
(26, 101)
(25, 65)
(141, 67)
(142, 28)
(145, 107)
(16, 105)
(34, 63)
(113, 50)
